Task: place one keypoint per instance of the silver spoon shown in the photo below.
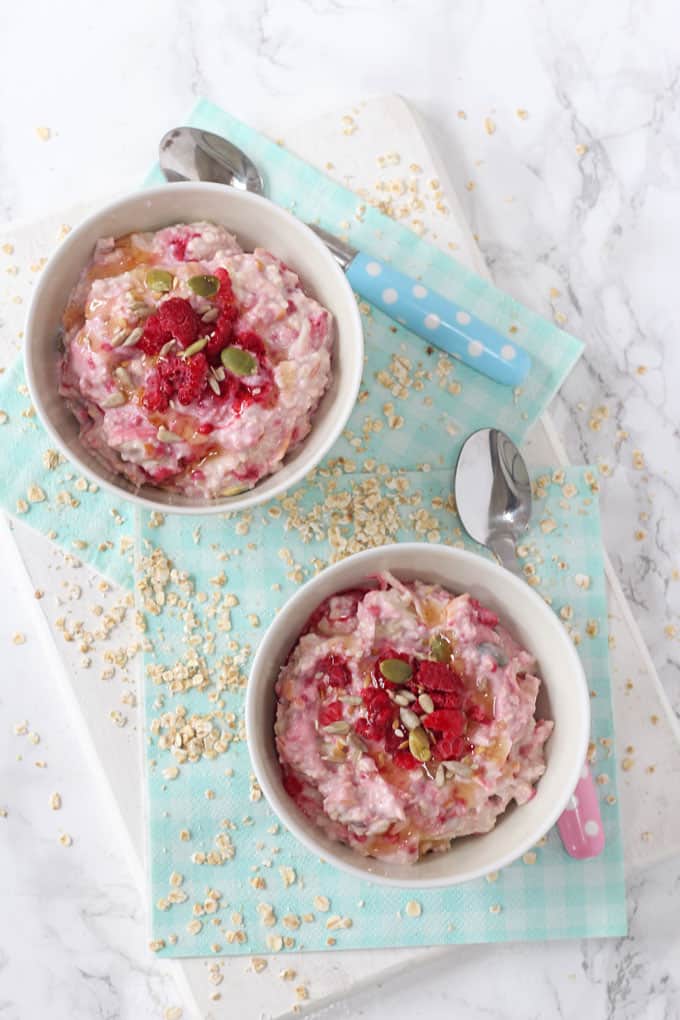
(493, 493)
(190, 154)
(493, 498)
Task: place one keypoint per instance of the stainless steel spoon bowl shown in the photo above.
(493, 493)
(189, 154)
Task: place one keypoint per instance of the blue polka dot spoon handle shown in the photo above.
(441, 322)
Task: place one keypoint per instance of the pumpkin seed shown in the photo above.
(440, 648)
(496, 653)
(426, 703)
(396, 670)
(133, 337)
(194, 348)
(214, 385)
(440, 776)
(210, 315)
(409, 718)
(237, 361)
(204, 285)
(116, 399)
(166, 436)
(340, 727)
(419, 745)
(350, 699)
(159, 280)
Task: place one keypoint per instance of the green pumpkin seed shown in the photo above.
(204, 285)
(396, 671)
(440, 648)
(496, 653)
(159, 280)
(237, 361)
(419, 745)
(197, 346)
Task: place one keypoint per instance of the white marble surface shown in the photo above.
(598, 226)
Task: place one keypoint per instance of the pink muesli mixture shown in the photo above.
(406, 718)
(191, 364)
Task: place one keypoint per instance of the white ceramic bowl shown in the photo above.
(563, 698)
(256, 222)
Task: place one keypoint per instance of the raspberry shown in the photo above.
(194, 379)
(225, 295)
(330, 713)
(291, 784)
(154, 336)
(404, 759)
(222, 333)
(485, 616)
(436, 676)
(180, 320)
(178, 245)
(379, 708)
(446, 720)
(335, 670)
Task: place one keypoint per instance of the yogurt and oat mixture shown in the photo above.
(191, 364)
(406, 718)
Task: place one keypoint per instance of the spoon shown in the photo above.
(190, 154)
(493, 498)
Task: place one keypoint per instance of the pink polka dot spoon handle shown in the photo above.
(580, 825)
(439, 321)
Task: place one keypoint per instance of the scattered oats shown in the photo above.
(258, 964)
(529, 857)
(18, 638)
(3, 812)
(43, 133)
(173, 1013)
(335, 921)
(65, 839)
(35, 494)
(581, 149)
(254, 620)
(301, 992)
(22, 506)
(20, 728)
(171, 772)
(156, 945)
(291, 921)
(492, 876)
(51, 459)
(489, 126)
(495, 908)
(288, 974)
(638, 460)
(582, 581)
(413, 908)
(8, 248)
(627, 764)
(209, 794)
(522, 114)
(470, 186)
(322, 903)
(4, 417)
(34, 738)
(176, 879)
(288, 875)
(548, 525)
(194, 926)
(275, 943)
(40, 764)
(592, 628)
(117, 718)
(462, 115)
(184, 834)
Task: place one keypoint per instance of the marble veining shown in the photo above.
(577, 209)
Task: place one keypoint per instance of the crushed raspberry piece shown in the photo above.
(178, 245)
(222, 333)
(194, 379)
(178, 317)
(368, 730)
(379, 708)
(206, 428)
(155, 335)
(449, 748)
(477, 714)
(404, 759)
(225, 295)
(291, 784)
(446, 720)
(485, 616)
(335, 670)
(330, 713)
(156, 397)
(436, 676)
(447, 699)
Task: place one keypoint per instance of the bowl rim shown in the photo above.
(580, 695)
(225, 504)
